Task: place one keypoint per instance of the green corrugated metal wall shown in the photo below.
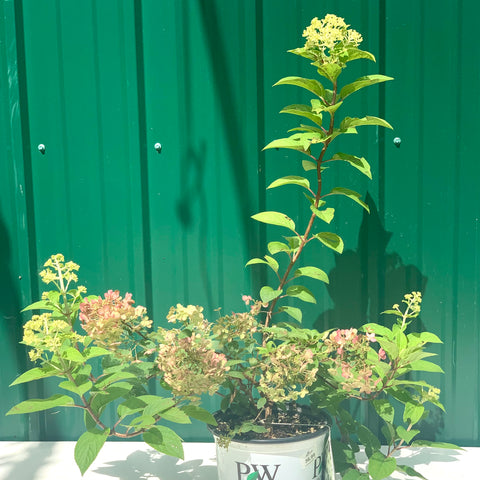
(100, 83)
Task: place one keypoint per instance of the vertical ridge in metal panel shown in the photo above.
(456, 194)
(101, 146)
(142, 136)
(63, 127)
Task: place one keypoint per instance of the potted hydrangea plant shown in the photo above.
(106, 353)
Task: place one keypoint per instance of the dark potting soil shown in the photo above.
(280, 424)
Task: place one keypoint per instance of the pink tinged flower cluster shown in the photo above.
(290, 371)
(112, 320)
(348, 351)
(190, 365)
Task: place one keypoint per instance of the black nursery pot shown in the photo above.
(304, 456)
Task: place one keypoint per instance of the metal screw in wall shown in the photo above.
(397, 141)
(41, 148)
(158, 147)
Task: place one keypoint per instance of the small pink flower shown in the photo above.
(346, 373)
(371, 337)
(381, 354)
(247, 299)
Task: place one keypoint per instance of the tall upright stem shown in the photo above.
(304, 238)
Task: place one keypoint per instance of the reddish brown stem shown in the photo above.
(304, 237)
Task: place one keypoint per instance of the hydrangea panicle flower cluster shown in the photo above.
(186, 355)
(328, 38)
(114, 321)
(348, 351)
(44, 334)
(289, 372)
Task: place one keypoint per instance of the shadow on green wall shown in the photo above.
(368, 280)
(11, 332)
(10, 305)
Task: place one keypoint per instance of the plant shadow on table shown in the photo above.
(35, 459)
(152, 465)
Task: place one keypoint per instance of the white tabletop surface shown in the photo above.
(137, 461)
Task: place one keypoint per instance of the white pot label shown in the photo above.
(305, 460)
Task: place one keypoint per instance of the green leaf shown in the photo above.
(290, 180)
(164, 440)
(384, 409)
(362, 82)
(427, 443)
(275, 247)
(389, 432)
(88, 446)
(406, 435)
(271, 262)
(420, 383)
(349, 122)
(326, 215)
(379, 330)
(350, 194)
(114, 377)
(294, 142)
(312, 272)
(142, 422)
(176, 415)
(425, 337)
(156, 405)
(309, 165)
(275, 218)
(413, 412)
(294, 242)
(311, 85)
(253, 476)
(329, 70)
(301, 292)
(100, 400)
(92, 352)
(199, 413)
(267, 294)
(294, 312)
(79, 389)
(251, 427)
(358, 162)
(130, 406)
(39, 404)
(410, 471)
(36, 373)
(390, 347)
(368, 439)
(318, 107)
(379, 466)
(73, 355)
(354, 474)
(400, 394)
(41, 305)
(343, 456)
(331, 240)
(304, 111)
(424, 366)
(354, 53)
